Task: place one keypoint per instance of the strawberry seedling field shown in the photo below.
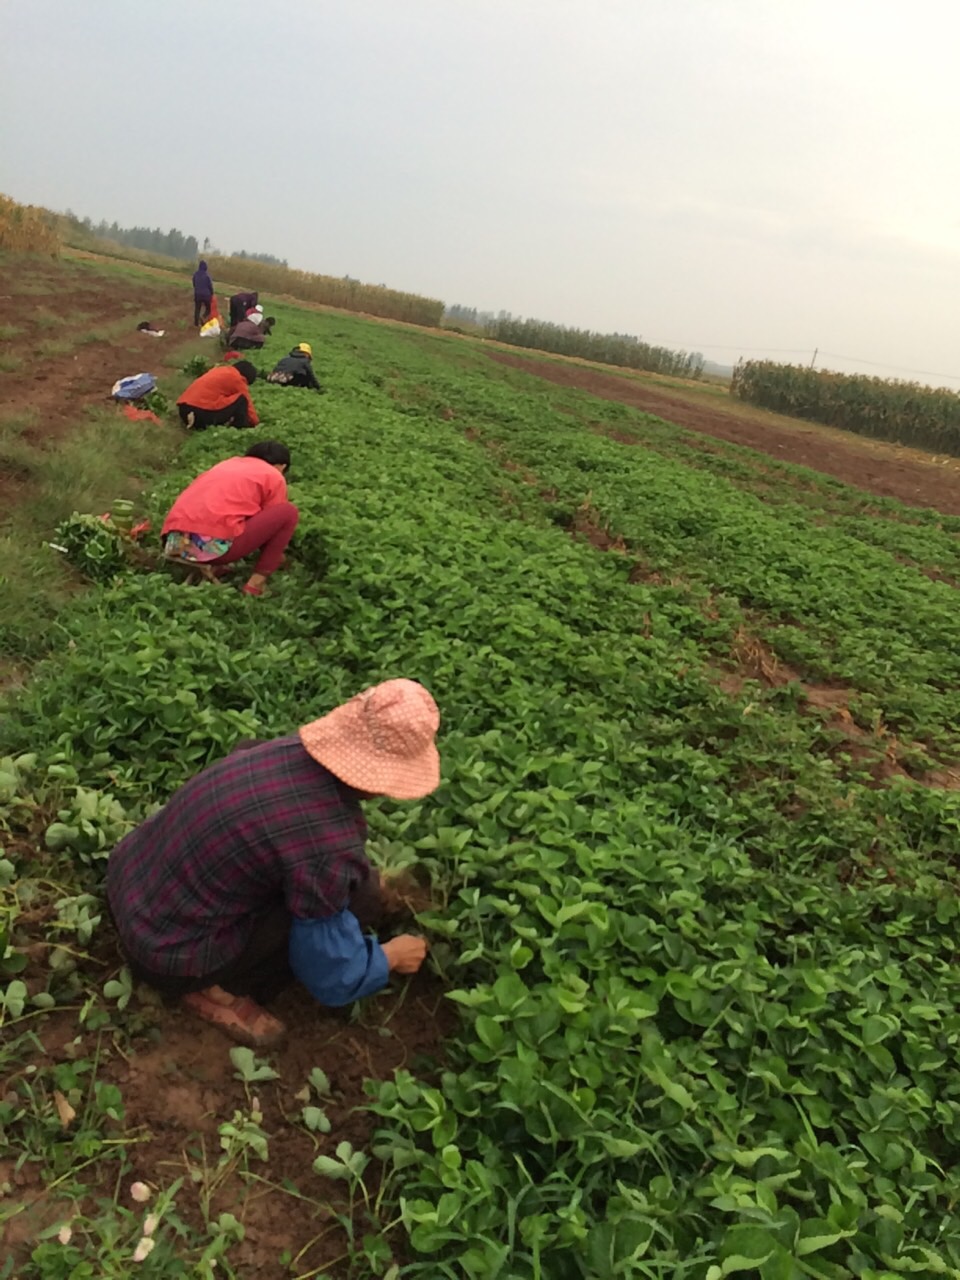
(692, 864)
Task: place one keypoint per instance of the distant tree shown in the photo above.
(607, 348)
(172, 243)
(270, 259)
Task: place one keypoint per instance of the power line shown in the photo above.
(731, 346)
(798, 351)
(874, 364)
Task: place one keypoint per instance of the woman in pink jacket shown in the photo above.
(236, 508)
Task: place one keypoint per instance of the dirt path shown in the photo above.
(872, 465)
(67, 334)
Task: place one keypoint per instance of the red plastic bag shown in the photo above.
(140, 415)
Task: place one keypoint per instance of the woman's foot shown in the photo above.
(239, 1017)
(255, 584)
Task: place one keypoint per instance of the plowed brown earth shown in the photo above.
(866, 464)
(66, 309)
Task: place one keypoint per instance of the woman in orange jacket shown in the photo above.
(220, 398)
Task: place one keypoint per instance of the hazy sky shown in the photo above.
(725, 175)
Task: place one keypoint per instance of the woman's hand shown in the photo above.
(406, 953)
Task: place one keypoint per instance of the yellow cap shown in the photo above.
(305, 346)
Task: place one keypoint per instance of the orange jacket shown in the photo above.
(218, 388)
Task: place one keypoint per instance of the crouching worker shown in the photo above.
(220, 398)
(248, 871)
(296, 369)
(251, 333)
(246, 336)
(236, 508)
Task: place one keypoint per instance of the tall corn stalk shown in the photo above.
(886, 408)
(26, 228)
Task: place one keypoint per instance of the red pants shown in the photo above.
(268, 532)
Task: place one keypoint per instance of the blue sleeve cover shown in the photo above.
(334, 961)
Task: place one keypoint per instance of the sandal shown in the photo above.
(239, 1017)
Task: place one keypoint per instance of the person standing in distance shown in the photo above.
(202, 294)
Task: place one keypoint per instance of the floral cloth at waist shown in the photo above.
(193, 546)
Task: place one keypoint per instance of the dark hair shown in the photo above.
(248, 370)
(271, 451)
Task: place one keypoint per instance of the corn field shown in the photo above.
(886, 408)
(331, 291)
(24, 228)
(606, 348)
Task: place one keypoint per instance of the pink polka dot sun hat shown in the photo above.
(381, 741)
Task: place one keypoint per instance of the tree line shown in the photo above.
(268, 258)
(624, 349)
(171, 244)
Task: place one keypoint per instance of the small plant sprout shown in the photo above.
(313, 1116)
(120, 988)
(249, 1068)
(348, 1165)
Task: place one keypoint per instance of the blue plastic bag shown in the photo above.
(135, 387)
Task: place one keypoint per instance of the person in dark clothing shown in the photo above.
(296, 369)
(246, 336)
(220, 398)
(240, 304)
(202, 293)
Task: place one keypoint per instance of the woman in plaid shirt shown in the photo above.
(250, 870)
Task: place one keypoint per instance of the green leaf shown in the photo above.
(319, 1081)
(877, 1027)
(620, 1148)
(819, 1234)
(248, 1068)
(740, 1262)
(15, 997)
(315, 1118)
(489, 1031)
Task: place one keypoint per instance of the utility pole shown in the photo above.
(813, 358)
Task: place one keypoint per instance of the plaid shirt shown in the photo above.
(263, 827)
